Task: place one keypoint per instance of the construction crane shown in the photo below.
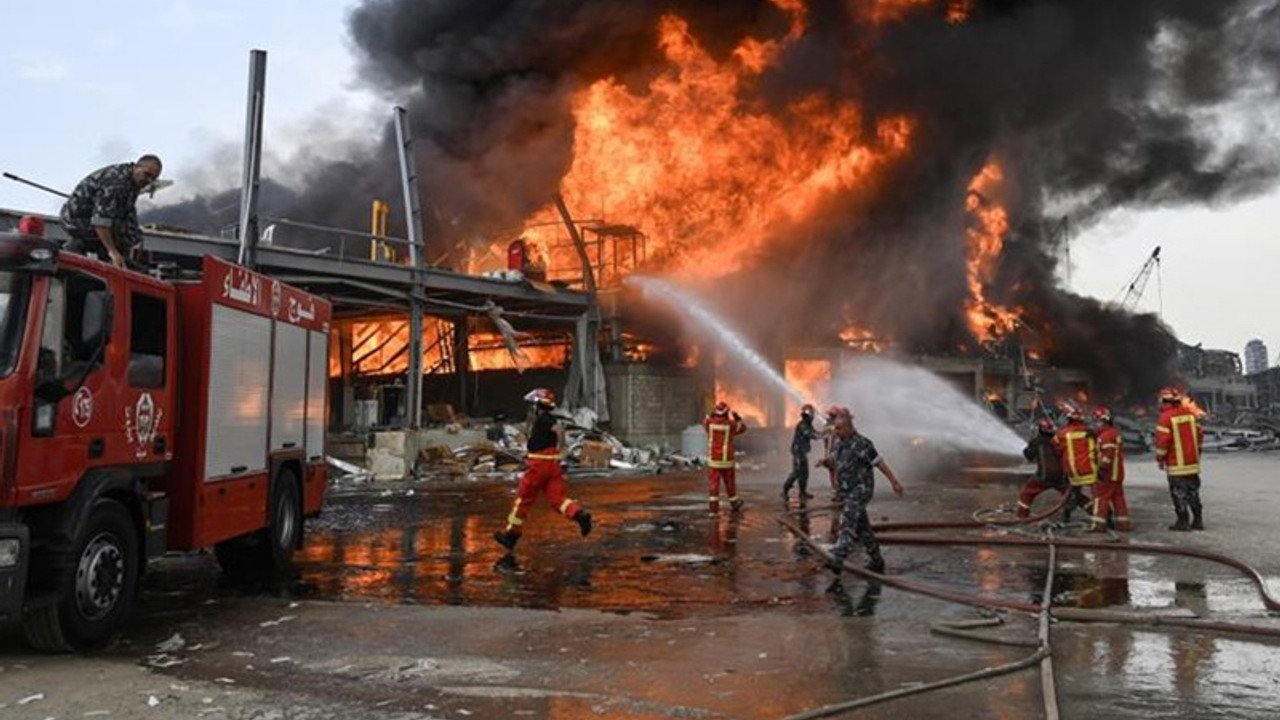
(1132, 292)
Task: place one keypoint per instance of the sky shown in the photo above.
(98, 83)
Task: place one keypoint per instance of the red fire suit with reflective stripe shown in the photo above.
(1108, 495)
(721, 430)
(1079, 451)
(1178, 439)
(543, 474)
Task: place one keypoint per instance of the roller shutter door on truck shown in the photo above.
(317, 387)
(289, 388)
(239, 373)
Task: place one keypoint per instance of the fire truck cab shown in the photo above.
(140, 415)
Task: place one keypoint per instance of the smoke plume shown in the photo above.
(1086, 105)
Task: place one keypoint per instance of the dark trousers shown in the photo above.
(1184, 490)
(799, 474)
(856, 525)
(85, 242)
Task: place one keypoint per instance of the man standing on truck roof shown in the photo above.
(101, 217)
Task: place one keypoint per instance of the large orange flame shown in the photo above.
(744, 402)
(381, 348)
(986, 233)
(707, 176)
(811, 377)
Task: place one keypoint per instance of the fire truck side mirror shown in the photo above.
(51, 391)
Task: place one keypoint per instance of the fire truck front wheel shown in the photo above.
(96, 590)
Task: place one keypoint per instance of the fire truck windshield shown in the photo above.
(14, 291)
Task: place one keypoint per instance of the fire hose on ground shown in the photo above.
(1043, 654)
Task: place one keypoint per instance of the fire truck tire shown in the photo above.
(286, 520)
(97, 590)
(270, 550)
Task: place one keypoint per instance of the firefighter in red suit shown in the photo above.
(1179, 436)
(1108, 496)
(1079, 450)
(1049, 475)
(722, 426)
(542, 474)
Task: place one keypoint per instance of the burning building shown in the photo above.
(865, 174)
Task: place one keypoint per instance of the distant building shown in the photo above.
(1216, 382)
(1255, 357)
(1195, 361)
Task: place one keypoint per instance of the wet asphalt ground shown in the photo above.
(404, 607)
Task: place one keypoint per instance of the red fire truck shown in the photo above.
(141, 414)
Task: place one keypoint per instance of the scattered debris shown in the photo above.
(163, 660)
(31, 698)
(458, 447)
(173, 644)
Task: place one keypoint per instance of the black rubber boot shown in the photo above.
(1181, 524)
(583, 518)
(1197, 523)
(506, 539)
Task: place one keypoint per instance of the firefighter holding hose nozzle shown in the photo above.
(801, 442)
(1079, 449)
(1049, 475)
(855, 461)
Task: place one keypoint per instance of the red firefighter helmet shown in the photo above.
(722, 408)
(541, 396)
(1102, 415)
(806, 410)
(1170, 395)
(1046, 426)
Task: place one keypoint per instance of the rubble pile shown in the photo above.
(480, 448)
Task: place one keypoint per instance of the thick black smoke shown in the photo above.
(1088, 106)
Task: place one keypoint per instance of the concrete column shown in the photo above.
(462, 364)
(343, 407)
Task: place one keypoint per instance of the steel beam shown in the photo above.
(252, 158)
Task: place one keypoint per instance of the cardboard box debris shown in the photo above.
(595, 454)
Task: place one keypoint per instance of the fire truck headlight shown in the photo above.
(10, 549)
(42, 254)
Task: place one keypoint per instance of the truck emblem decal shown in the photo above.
(247, 289)
(82, 407)
(140, 424)
(298, 312)
(275, 297)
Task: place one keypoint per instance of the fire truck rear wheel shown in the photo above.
(270, 550)
(96, 592)
(286, 520)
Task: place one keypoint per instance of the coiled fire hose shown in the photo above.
(1043, 654)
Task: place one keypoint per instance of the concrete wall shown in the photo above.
(652, 405)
